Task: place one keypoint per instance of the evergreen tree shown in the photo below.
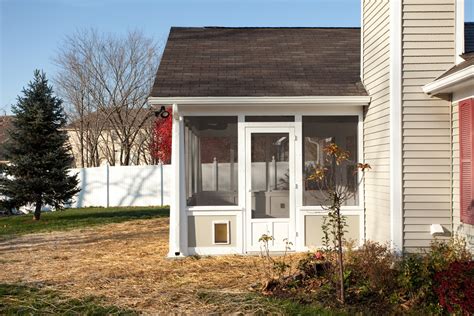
(38, 154)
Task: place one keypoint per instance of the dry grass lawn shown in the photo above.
(125, 263)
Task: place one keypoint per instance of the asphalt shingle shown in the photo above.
(216, 61)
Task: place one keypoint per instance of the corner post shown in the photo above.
(396, 190)
(178, 220)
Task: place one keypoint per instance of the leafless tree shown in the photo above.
(106, 80)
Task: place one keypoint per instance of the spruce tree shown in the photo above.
(37, 150)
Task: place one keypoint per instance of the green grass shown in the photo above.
(75, 218)
(26, 300)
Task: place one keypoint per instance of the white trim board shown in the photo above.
(250, 101)
(214, 251)
(458, 80)
(268, 110)
(459, 30)
(396, 191)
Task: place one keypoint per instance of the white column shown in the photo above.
(241, 187)
(396, 165)
(178, 222)
(299, 217)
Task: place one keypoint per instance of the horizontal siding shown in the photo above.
(428, 49)
(461, 229)
(376, 45)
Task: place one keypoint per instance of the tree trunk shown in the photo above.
(37, 214)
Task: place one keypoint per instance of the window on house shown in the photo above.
(466, 146)
(221, 232)
(318, 132)
(211, 160)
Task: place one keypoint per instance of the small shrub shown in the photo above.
(371, 269)
(443, 253)
(274, 268)
(416, 277)
(376, 280)
(314, 264)
(455, 287)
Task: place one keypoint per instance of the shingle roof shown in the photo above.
(468, 61)
(216, 61)
(469, 37)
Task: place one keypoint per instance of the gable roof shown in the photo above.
(469, 37)
(220, 62)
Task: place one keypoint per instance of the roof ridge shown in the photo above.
(265, 27)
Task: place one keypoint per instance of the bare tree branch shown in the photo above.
(106, 80)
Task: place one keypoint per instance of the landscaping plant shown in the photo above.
(160, 147)
(37, 150)
(455, 287)
(329, 179)
(274, 269)
(421, 276)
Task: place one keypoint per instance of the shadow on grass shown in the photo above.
(130, 215)
(75, 218)
(27, 300)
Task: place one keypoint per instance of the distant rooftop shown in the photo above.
(251, 61)
(469, 37)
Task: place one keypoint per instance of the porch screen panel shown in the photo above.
(211, 160)
(318, 132)
(269, 173)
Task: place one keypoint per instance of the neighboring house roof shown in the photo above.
(457, 77)
(458, 74)
(218, 61)
(469, 37)
(468, 61)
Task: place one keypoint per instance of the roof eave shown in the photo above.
(449, 84)
(243, 101)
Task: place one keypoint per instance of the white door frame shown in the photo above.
(284, 127)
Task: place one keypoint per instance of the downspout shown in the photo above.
(451, 173)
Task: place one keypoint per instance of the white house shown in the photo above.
(253, 108)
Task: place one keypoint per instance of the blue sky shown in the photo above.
(31, 31)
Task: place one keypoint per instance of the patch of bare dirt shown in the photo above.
(124, 263)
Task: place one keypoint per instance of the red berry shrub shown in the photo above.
(455, 287)
(160, 146)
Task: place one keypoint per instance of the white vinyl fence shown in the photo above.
(123, 186)
(151, 185)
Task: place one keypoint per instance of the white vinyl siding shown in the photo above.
(376, 62)
(428, 49)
